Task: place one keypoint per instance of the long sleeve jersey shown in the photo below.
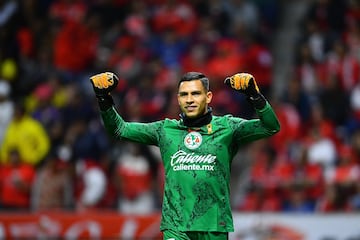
(197, 163)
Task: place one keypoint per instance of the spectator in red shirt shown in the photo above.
(258, 60)
(270, 176)
(135, 180)
(341, 183)
(347, 171)
(226, 59)
(91, 185)
(308, 175)
(333, 201)
(176, 15)
(136, 23)
(16, 182)
(68, 10)
(125, 60)
(306, 185)
(343, 66)
(290, 122)
(53, 185)
(255, 200)
(196, 59)
(84, 36)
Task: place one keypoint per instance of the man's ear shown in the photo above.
(177, 98)
(209, 96)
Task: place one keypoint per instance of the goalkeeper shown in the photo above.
(196, 151)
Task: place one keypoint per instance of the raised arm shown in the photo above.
(146, 133)
(250, 130)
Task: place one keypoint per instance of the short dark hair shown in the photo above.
(190, 76)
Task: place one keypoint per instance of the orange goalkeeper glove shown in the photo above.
(245, 83)
(103, 84)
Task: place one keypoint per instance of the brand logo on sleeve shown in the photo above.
(193, 140)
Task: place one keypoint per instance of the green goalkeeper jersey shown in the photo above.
(197, 163)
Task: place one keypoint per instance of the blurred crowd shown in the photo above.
(55, 154)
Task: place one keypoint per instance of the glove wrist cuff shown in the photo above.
(258, 101)
(105, 102)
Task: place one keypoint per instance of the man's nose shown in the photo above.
(189, 98)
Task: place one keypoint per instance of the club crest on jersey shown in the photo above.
(193, 140)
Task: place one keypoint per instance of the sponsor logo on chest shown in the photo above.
(183, 161)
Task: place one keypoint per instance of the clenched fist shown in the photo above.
(243, 82)
(104, 83)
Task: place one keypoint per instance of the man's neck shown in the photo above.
(197, 121)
